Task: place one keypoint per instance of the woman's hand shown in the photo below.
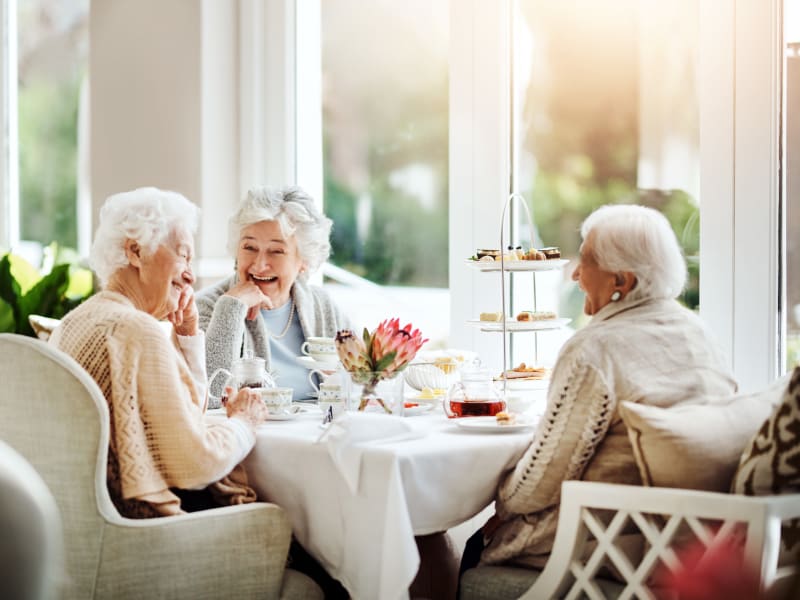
(246, 403)
(185, 318)
(254, 298)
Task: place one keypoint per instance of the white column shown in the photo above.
(757, 128)
(9, 165)
(739, 227)
(479, 161)
(716, 52)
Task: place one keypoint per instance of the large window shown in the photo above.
(385, 151)
(604, 110)
(607, 112)
(51, 65)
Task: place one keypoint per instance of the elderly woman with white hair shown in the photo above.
(163, 458)
(267, 307)
(640, 346)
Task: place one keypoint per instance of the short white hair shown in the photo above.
(296, 214)
(146, 215)
(628, 237)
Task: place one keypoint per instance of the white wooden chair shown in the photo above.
(598, 512)
(54, 414)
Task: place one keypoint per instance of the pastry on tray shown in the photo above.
(537, 315)
(491, 316)
(534, 254)
(504, 418)
(523, 371)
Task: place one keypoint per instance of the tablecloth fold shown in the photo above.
(347, 436)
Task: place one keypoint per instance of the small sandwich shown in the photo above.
(491, 316)
(504, 418)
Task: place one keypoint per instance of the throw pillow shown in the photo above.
(770, 463)
(696, 445)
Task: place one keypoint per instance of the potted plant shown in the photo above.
(53, 291)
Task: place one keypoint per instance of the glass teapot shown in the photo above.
(474, 396)
(247, 371)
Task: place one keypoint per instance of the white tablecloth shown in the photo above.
(365, 539)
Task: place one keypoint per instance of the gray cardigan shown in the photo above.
(229, 333)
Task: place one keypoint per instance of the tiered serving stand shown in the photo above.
(508, 324)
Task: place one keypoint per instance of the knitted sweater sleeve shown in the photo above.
(223, 320)
(188, 452)
(578, 414)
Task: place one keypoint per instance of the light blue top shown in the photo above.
(229, 334)
(284, 352)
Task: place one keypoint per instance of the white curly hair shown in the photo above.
(629, 237)
(147, 215)
(296, 214)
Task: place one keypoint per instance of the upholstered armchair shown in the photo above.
(53, 414)
(31, 544)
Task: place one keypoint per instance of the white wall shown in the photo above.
(164, 105)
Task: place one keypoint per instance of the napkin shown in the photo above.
(349, 434)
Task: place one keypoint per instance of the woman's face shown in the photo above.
(269, 260)
(597, 284)
(165, 273)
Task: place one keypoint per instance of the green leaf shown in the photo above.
(7, 323)
(81, 283)
(385, 361)
(45, 298)
(25, 274)
(9, 288)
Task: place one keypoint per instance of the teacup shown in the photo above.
(277, 399)
(321, 349)
(323, 376)
(332, 398)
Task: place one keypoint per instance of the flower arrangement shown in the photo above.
(378, 355)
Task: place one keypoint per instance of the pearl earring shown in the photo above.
(616, 296)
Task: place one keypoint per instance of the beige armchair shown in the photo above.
(53, 413)
(31, 544)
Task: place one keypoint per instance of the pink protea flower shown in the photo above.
(352, 351)
(381, 354)
(393, 347)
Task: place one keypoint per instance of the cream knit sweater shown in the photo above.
(650, 351)
(155, 388)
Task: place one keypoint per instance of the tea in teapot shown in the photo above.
(248, 371)
(473, 396)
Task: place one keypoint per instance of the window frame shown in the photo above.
(739, 93)
(9, 164)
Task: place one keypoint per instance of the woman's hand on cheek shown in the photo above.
(254, 298)
(185, 318)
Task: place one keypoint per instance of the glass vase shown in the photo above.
(376, 392)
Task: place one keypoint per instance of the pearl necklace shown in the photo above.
(288, 325)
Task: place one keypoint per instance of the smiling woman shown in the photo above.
(161, 452)
(267, 307)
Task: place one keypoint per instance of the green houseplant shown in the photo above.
(51, 292)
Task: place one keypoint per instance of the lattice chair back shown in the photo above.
(598, 522)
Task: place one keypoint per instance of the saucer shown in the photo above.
(312, 363)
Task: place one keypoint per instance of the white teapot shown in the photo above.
(247, 371)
